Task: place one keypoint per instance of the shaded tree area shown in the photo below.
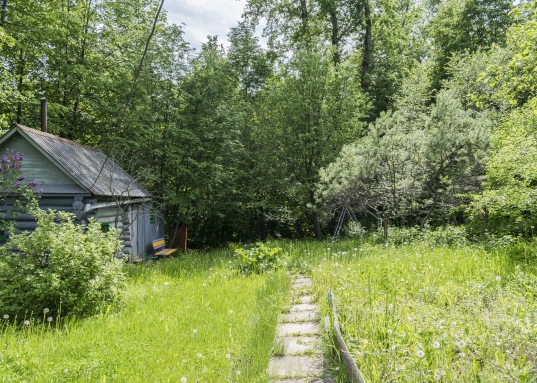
(396, 107)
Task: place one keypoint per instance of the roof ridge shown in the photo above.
(32, 130)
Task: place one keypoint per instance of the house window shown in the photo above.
(105, 227)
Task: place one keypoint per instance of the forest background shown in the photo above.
(416, 113)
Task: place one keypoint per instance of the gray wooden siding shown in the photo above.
(35, 166)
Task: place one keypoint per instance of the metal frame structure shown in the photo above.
(346, 210)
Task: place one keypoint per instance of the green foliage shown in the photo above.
(411, 164)
(463, 27)
(259, 259)
(452, 236)
(508, 198)
(61, 267)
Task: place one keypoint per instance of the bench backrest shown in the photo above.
(158, 243)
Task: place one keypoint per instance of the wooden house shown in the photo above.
(86, 182)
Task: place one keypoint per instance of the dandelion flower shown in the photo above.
(199, 355)
(205, 284)
(389, 332)
(195, 330)
(231, 311)
(26, 322)
(166, 283)
(49, 319)
(355, 249)
(437, 377)
(183, 379)
(66, 370)
(498, 278)
(441, 372)
(436, 345)
(420, 354)
(45, 310)
(390, 306)
(6, 316)
(228, 356)
(238, 372)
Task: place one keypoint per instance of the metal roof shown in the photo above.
(90, 167)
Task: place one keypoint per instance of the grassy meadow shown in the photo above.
(419, 313)
(408, 313)
(189, 319)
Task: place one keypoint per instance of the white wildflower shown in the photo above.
(420, 354)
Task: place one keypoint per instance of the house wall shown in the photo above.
(135, 227)
(25, 222)
(36, 166)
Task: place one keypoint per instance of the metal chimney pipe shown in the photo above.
(44, 115)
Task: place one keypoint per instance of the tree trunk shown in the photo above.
(485, 222)
(298, 230)
(335, 36)
(21, 73)
(4, 12)
(430, 212)
(316, 222)
(262, 225)
(367, 45)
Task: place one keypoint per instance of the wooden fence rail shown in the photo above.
(352, 369)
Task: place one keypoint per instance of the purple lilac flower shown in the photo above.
(4, 160)
(17, 185)
(32, 184)
(20, 178)
(40, 191)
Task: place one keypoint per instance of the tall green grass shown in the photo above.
(190, 319)
(414, 313)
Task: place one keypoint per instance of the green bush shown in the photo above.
(441, 236)
(258, 259)
(60, 268)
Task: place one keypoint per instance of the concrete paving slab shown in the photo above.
(296, 345)
(300, 285)
(291, 366)
(300, 316)
(297, 329)
(303, 307)
(306, 299)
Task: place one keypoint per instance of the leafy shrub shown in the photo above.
(14, 191)
(441, 236)
(354, 229)
(61, 267)
(258, 259)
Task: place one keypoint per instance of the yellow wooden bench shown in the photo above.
(160, 248)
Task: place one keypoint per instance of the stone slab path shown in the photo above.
(299, 351)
